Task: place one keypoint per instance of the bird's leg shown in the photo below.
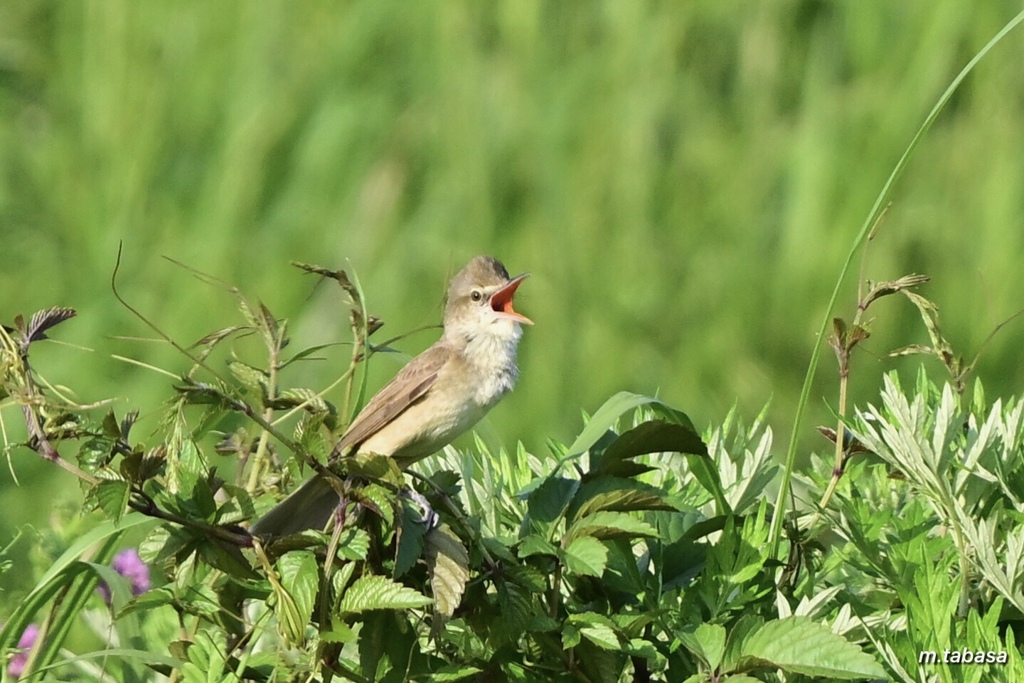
(428, 517)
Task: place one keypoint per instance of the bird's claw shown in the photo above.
(428, 517)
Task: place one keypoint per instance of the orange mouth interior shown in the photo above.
(501, 301)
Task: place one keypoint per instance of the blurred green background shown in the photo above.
(682, 179)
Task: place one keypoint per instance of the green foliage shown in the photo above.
(636, 551)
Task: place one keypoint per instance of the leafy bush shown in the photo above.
(636, 552)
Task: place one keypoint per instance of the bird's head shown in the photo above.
(480, 301)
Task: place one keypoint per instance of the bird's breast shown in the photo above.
(468, 386)
(490, 359)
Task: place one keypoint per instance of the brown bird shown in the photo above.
(439, 395)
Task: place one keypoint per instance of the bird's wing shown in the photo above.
(410, 385)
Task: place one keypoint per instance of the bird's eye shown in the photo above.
(476, 295)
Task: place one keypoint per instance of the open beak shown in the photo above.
(501, 301)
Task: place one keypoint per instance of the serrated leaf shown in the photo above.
(112, 497)
(448, 564)
(309, 437)
(535, 545)
(598, 629)
(369, 466)
(587, 556)
(150, 600)
(711, 641)
(638, 647)
(110, 426)
(200, 393)
(273, 332)
(238, 507)
(228, 558)
(199, 600)
(217, 336)
(299, 577)
(570, 636)
(600, 664)
(447, 482)
(617, 494)
(453, 672)
(409, 547)
(379, 592)
(252, 377)
(654, 436)
(601, 635)
(515, 606)
(377, 498)
(606, 417)
(353, 544)
(307, 398)
(549, 500)
(607, 524)
(339, 633)
(340, 578)
(799, 645)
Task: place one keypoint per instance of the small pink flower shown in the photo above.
(25, 643)
(128, 564)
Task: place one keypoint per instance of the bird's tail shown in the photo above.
(308, 507)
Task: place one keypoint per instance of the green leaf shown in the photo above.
(617, 494)
(110, 426)
(711, 638)
(353, 544)
(237, 508)
(530, 578)
(587, 556)
(148, 601)
(453, 672)
(309, 436)
(410, 540)
(654, 436)
(378, 499)
(252, 378)
(598, 629)
(570, 636)
(226, 557)
(607, 524)
(799, 645)
(535, 545)
(638, 647)
(112, 497)
(516, 606)
(549, 500)
(299, 575)
(341, 577)
(602, 636)
(448, 563)
(606, 417)
(379, 592)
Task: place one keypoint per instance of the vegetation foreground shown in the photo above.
(641, 551)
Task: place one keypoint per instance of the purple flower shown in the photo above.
(25, 643)
(128, 564)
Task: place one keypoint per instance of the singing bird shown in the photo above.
(439, 395)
